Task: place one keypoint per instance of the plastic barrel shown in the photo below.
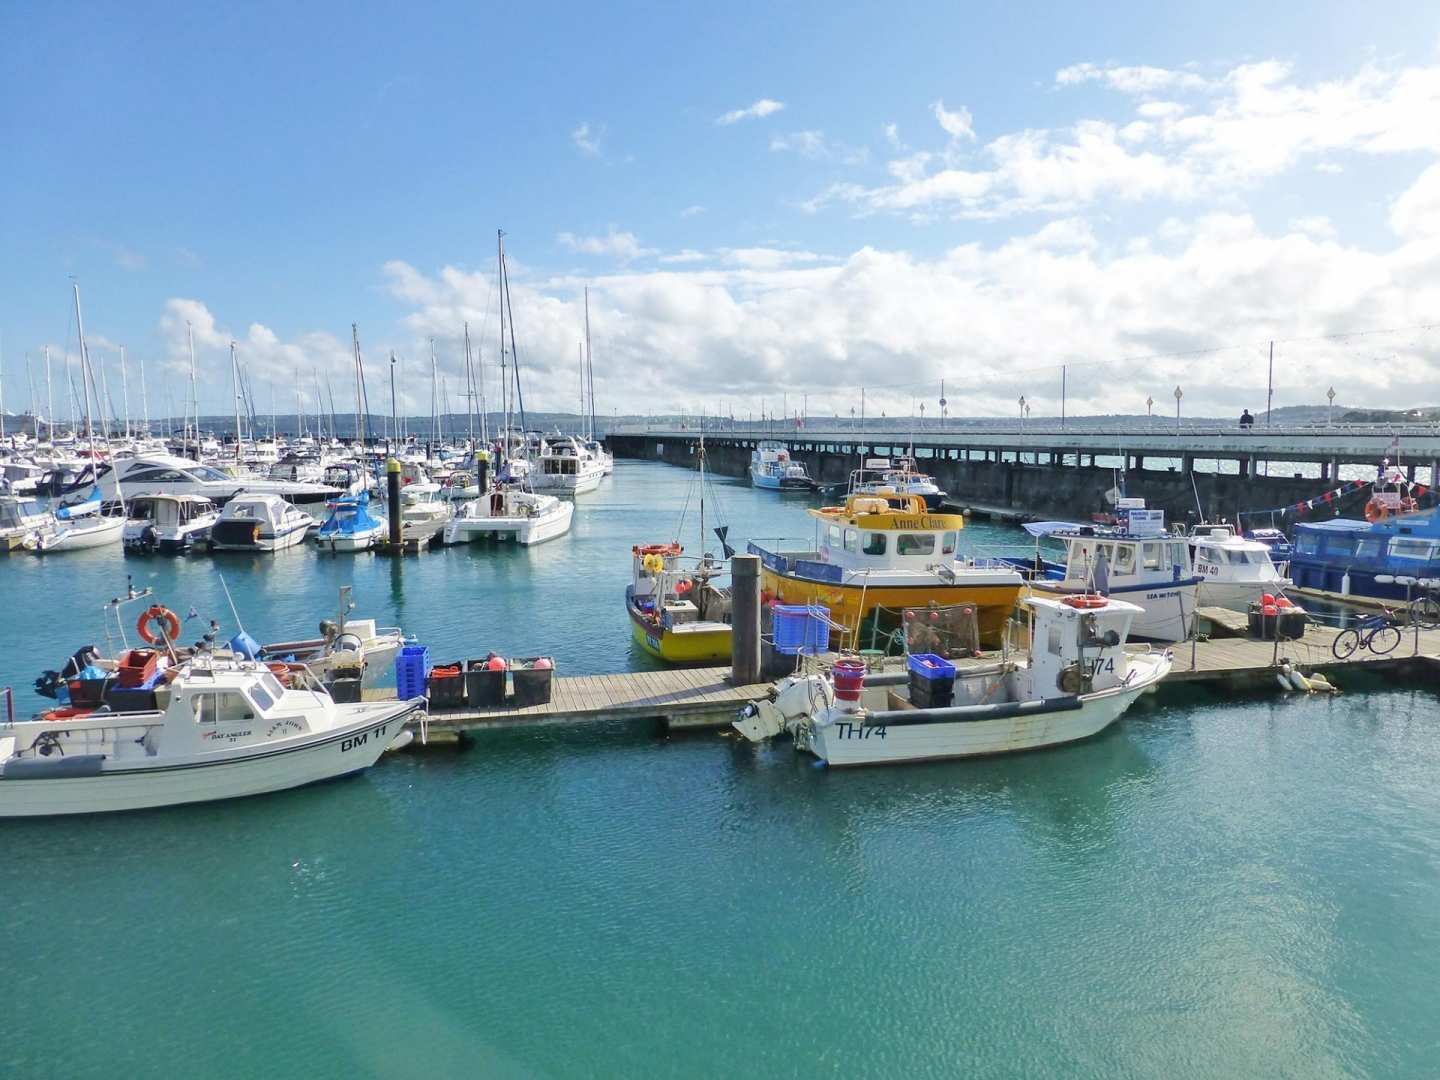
(849, 678)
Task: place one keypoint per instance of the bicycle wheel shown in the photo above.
(1425, 613)
(1384, 639)
(1345, 643)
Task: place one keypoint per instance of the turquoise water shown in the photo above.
(1216, 887)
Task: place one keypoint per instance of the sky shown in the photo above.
(774, 207)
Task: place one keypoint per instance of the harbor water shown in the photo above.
(1218, 886)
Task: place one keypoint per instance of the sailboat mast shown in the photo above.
(504, 373)
(359, 406)
(514, 350)
(194, 398)
(144, 394)
(469, 389)
(589, 367)
(49, 398)
(235, 392)
(125, 391)
(580, 353)
(434, 401)
(84, 368)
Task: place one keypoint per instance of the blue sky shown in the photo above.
(946, 191)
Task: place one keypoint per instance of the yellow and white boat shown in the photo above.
(883, 552)
(677, 615)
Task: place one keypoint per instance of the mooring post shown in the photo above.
(745, 619)
(392, 500)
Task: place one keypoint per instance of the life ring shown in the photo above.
(1085, 600)
(1376, 511)
(683, 589)
(170, 630)
(832, 509)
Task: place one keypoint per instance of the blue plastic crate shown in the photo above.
(412, 668)
(801, 629)
(930, 666)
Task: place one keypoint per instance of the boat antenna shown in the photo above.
(231, 601)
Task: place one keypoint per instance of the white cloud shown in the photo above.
(587, 139)
(622, 245)
(814, 145)
(692, 211)
(958, 124)
(1317, 225)
(892, 136)
(686, 255)
(130, 260)
(1416, 213)
(1255, 122)
(762, 108)
(993, 320)
(1140, 80)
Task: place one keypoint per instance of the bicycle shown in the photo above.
(1378, 633)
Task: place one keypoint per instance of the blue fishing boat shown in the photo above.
(772, 468)
(350, 526)
(1348, 556)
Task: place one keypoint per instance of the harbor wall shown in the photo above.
(1064, 486)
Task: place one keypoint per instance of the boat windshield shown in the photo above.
(205, 472)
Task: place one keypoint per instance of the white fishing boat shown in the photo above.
(1234, 572)
(259, 523)
(1075, 679)
(169, 524)
(510, 513)
(423, 516)
(1137, 561)
(216, 731)
(21, 520)
(343, 646)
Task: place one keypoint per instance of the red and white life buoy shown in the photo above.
(1085, 600)
(169, 625)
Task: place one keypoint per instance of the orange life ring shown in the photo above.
(683, 589)
(164, 615)
(1376, 511)
(1085, 600)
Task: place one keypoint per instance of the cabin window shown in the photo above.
(272, 686)
(1124, 559)
(948, 542)
(1218, 556)
(1054, 642)
(874, 543)
(834, 536)
(1179, 555)
(262, 700)
(1372, 547)
(915, 544)
(1402, 548)
(224, 707)
(852, 540)
(1308, 544)
(1154, 555)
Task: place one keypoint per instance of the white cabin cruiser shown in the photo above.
(259, 523)
(423, 516)
(567, 467)
(1138, 562)
(161, 474)
(1074, 681)
(510, 513)
(217, 731)
(169, 524)
(1234, 572)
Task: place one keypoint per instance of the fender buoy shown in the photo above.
(683, 589)
(1084, 600)
(169, 629)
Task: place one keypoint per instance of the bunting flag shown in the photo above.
(1325, 498)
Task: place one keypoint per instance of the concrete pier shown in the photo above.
(1034, 472)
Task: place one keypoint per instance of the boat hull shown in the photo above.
(852, 605)
(526, 532)
(354, 541)
(126, 785)
(1168, 609)
(842, 743)
(680, 647)
(71, 538)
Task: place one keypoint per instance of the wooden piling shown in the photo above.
(745, 619)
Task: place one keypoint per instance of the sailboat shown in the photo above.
(510, 509)
(677, 613)
(84, 524)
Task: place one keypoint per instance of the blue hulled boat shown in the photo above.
(350, 526)
(1346, 555)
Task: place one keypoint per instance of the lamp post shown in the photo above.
(1022, 414)
(943, 404)
(1330, 416)
(1178, 395)
(922, 416)
(1149, 411)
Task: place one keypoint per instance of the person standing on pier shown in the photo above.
(1246, 420)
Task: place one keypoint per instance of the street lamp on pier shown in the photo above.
(1330, 416)
(1178, 395)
